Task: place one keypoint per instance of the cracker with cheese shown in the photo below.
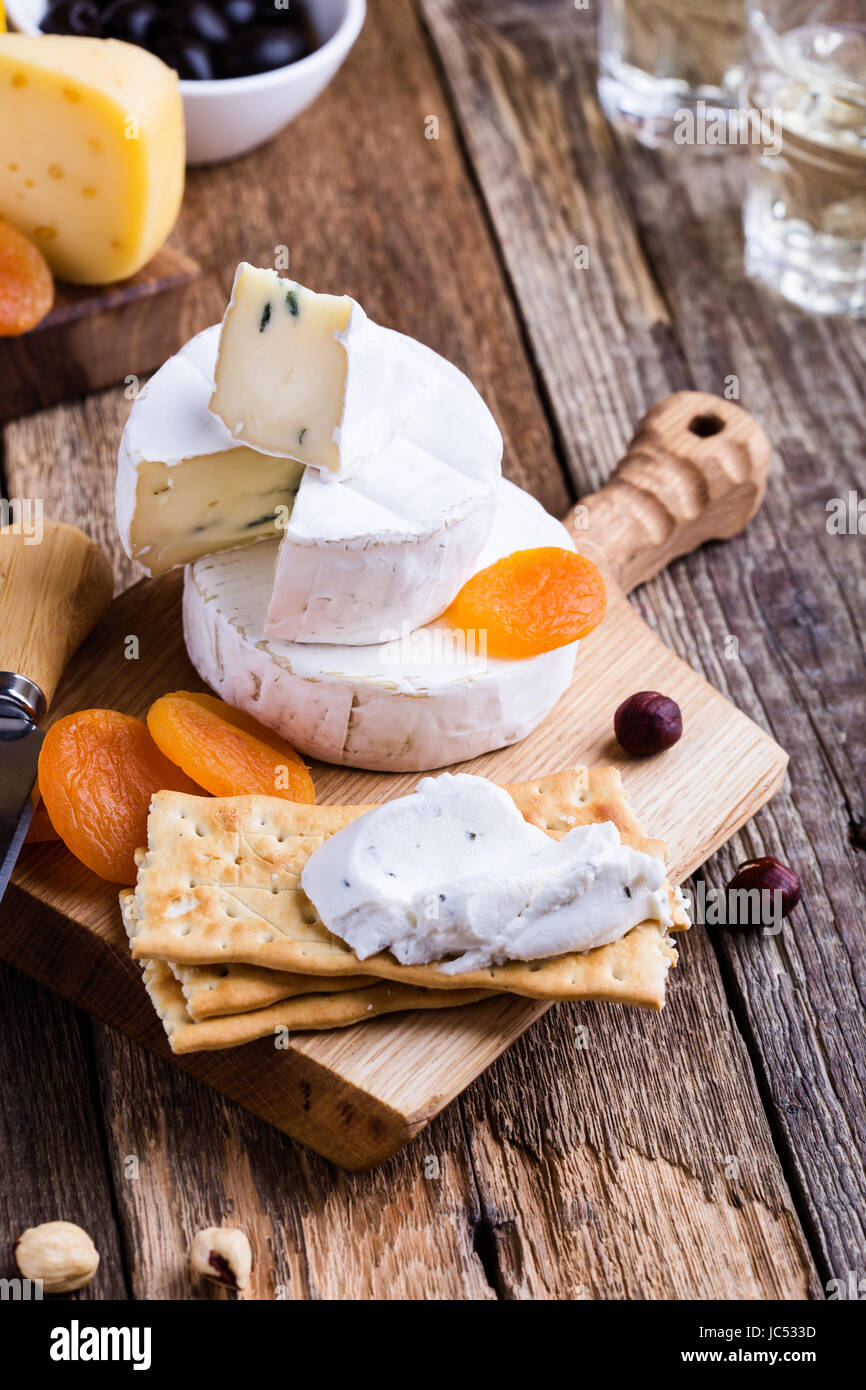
(220, 882)
(212, 990)
(303, 1013)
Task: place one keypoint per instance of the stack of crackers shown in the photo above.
(232, 949)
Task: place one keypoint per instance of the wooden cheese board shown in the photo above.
(96, 335)
(696, 470)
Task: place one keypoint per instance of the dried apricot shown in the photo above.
(98, 770)
(26, 283)
(531, 601)
(225, 750)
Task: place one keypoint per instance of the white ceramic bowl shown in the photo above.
(231, 116)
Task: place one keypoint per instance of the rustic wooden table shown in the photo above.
(448, 179)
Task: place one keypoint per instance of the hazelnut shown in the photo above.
(768, 875)
(223, 1253)
(647, 723)
(59, 1253)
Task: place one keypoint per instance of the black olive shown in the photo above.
(190, 57)
(198, 19)
(239, 13)
(261, 50)
(132, 20)
(79, 17)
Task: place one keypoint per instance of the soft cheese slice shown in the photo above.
(92, 160)
(417, 702)
(453, 873)
(184, 487)
(387, 551)
(309, 376)
(358, 559)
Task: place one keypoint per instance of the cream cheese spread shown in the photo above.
(452, 873)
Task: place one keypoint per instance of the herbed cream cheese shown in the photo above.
(452, 873)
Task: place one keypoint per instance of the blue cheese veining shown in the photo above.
(453, 874)
(308, 376)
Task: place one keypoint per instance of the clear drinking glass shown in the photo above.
(805, 214)
(659, 59)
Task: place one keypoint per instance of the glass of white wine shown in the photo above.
(663, 61)
(805, 212)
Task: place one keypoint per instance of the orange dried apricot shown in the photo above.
(98, 770)
(26, 283)
(226, 750)
(531, 601)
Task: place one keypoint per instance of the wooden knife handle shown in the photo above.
(52, 591)
(696, 470)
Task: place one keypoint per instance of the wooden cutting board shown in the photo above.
(696, 470)
(96, 335)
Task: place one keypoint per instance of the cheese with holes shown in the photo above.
(418, 701)
(92, 152)
(358, 558)
(309, 376)
(453, 873)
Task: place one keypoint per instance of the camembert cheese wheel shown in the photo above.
(417, 701)
(390, 547)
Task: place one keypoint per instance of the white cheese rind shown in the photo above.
(405, 706)
(392, 546)
(452, 873)
(309, 376)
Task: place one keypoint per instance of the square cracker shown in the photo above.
(220, 882)
(303, 1013)
(212, 990)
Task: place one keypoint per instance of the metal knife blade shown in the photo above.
(20, 742)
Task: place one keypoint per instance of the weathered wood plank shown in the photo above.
(641, 1168)
(664, 293)
(54, 1165)
(402, 1231)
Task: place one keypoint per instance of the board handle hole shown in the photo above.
(706, 425)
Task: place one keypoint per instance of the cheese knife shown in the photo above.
(55, 584)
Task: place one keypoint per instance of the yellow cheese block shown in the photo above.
(2, 18)
(92, 152)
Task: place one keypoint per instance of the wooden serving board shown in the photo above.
(96, 335)
(695, 470)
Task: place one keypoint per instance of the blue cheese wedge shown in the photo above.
(308, 376)
(356, 559)
(184, 487)
(453, 874)
(419, 700)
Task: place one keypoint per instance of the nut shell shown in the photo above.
(768, 875)
(59, 1253)
(222, 1253)
(647, 723)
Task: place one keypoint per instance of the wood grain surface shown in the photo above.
(96, 335)
(716, 1149)
(664, 304)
